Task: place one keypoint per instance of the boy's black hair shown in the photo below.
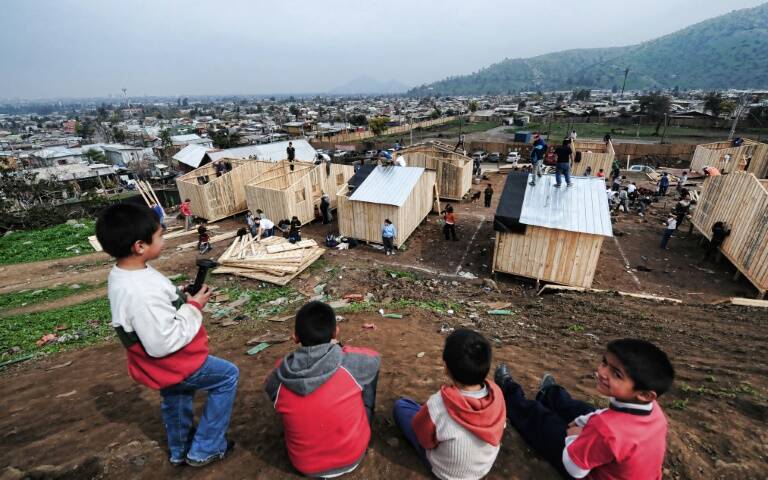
(315, 324)
(120, 226)
(467, 355)
(645, 363)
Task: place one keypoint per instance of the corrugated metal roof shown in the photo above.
(268, 151)
(388, 185)
(191, 155)
(581, 208)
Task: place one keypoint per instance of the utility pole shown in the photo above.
(664, 132)
(626, 72)
(737, 115)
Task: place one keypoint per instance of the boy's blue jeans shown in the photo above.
(564, 169)
(403, 412)
(219, 378)
(543, 423)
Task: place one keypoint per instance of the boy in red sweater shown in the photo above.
(457, 433)
(627, 440)
(325, 394)
(164, 337)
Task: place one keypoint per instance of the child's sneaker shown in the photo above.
(557, 185)
(546, 381)
(212, 458)
(501, 374)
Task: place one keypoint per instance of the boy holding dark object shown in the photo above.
(164, 337)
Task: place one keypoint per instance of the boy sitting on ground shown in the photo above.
(457, 433)
(164, 337)
(325, 394)
(626, 440)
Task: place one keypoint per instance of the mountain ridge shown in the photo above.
(720, 52)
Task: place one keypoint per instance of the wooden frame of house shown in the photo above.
(214, 198)
(592, 154)
(282, 193)
(727, 158)
(548, 234)
(741, 201)
(405, 195)
(454, 170)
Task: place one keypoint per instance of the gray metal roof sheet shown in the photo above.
(268, 151)
(191, 155)
(388, 185)
(582, 208)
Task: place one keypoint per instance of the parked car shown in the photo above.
(479, 155)
(370, 154)
(513, 157)
(494, 157)
(641, 168)
(340, 154)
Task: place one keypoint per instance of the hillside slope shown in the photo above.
(728, 51)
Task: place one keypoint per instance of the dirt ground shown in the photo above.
(90, 420)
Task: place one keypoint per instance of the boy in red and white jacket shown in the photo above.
(325, 394)
(457, 433)
(165, 340)
(627, 440)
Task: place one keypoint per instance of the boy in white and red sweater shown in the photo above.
(164, 337)
(627, 440)
(457, 433)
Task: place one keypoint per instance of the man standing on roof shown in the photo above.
(564, 154)
(291, 152)
(460, 143)
(537, 157)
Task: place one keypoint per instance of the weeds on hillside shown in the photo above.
(60, 241)
(23, 298)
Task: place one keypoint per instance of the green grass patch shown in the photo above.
(399, 274)
(31, 297)
(437, 306)
(60, 241)
(88, 320)
(258, 305)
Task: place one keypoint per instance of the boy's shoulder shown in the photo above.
(369, 352)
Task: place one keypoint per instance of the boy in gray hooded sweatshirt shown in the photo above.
(325, 394)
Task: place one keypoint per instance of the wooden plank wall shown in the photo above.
(454, 171)
(557, 256)
(222, 196)
(363, 220)
(714, 155)
(595, 155)
(740, 200)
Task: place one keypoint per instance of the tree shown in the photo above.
(94, 156)
(165, 138)
(656, 106)
(581, 95)
(713, 103)
(358, 120)
(118, 135)
(473, 106)
(84, 130)
(378, 124)
(294, 111)
(521, 105)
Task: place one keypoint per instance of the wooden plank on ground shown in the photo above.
(95, 243)
(182, 233)
(749, 302)
(284, 247)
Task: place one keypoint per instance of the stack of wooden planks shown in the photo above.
(274, 259)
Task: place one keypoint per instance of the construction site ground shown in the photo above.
(88, 419)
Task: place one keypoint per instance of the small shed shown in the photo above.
(214, 198)
(453, 170)
(405, 195)
(551, 234)
(741, 201)
(750, 156)
(282, 193)
(592, 154)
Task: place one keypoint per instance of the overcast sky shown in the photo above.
(87, 48)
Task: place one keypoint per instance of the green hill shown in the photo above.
(729, 51)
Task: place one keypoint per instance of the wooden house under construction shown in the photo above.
(404, 195)
(453, 170)
(741, 201)
(750, 156)
(283, 193)
(214, 198)
(597, 155)
(549, 234)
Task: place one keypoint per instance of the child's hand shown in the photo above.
(575, 430)
(202, 296)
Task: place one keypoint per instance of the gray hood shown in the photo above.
(306, 369)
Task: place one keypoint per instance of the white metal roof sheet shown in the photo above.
(191, 155)
(581, 208)
(388, 185)
(268, 151)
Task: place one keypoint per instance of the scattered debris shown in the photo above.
(465, 274)
(445, 328)
(65, 395)
(281, 319)
(499, 312)
(270, 338)
(369, 326)
(258, 348)
(242, 301)
(353, 297)
(338, 304)
(61, 365)
(46, 339)
(319, 288)
(17, 360)
(420, 354)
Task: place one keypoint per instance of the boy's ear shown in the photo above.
(336, 332)
(137, 248)
(646, 396)
(295, 338)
